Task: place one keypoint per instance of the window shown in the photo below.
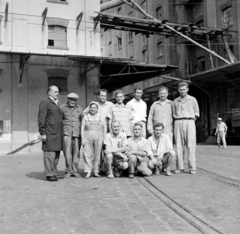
(58, 77)
(201, 64)
(159, 49)
(60, 82)
(130, 36)
(227, 16)
(159, 13)
(57, 37)
(230, 98)
(144, 40)
(144, 55)
(110, 48)
(119, 42)
(58, 1)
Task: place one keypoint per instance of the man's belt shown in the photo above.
(185, 119)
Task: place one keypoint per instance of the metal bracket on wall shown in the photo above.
(44, 15)
(79, 19)
(96, 20)
(6, 12)
(23, 59)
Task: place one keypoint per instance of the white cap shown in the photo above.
(219, 118)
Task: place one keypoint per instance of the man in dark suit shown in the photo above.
(51, 132)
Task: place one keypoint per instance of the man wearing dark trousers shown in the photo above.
(51, 132)
(72, 115)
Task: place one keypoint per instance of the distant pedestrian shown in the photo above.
(51, 132)
(185, 113)
(221, 132)
(138, 153)
(72, 115)
(116, 145)
(161, 112)
(139, 109)
(161, 153)
(92, 132)
(121, 113)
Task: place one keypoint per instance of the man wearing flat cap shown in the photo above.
(221, 132)
(72, 115)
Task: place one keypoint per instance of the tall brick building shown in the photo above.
(215, 84)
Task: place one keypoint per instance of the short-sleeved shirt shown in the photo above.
(138, 109)
(138, 145)
(71, 120)
(103, 109)
(122, 114)
(161, 112)
(185, 108)
(118, 141)
(221, 127)
(163, 143)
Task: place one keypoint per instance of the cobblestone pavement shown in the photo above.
(221, 161)
(31, 205)
(207, 196)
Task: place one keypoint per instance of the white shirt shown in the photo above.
(138, 109)
(55, 101)
(163, 144)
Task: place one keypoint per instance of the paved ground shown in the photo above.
(207, 196)
(30, 205)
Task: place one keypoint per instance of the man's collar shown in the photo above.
(153, 137)
(70, 107)
(165, 101)
(135, 100)
(122, 105)
(102, 104)
(119, 135)
(187, 97)
(55, 101)
(135, 139)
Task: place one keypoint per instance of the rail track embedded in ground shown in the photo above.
(200, 224)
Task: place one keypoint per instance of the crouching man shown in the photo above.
(116, 145)
(137, 153)
(161, 154)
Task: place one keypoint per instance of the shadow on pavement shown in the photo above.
(41, 175)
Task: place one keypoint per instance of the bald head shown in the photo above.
(53, 92)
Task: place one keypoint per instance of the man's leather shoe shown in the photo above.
(52, 179)
(76, 175)
(131, 176)
(96, 175)
(56, 176)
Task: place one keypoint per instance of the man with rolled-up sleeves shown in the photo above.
(185, 113)
(72, 115)
(161, 112)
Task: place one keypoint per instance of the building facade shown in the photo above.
(36, 38)
(217, 92)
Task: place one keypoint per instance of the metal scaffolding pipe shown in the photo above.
(110, 4)
(177, 32)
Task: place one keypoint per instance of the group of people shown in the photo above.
(113, 136)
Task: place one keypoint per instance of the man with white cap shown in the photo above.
(72, 115)
(221, 131)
